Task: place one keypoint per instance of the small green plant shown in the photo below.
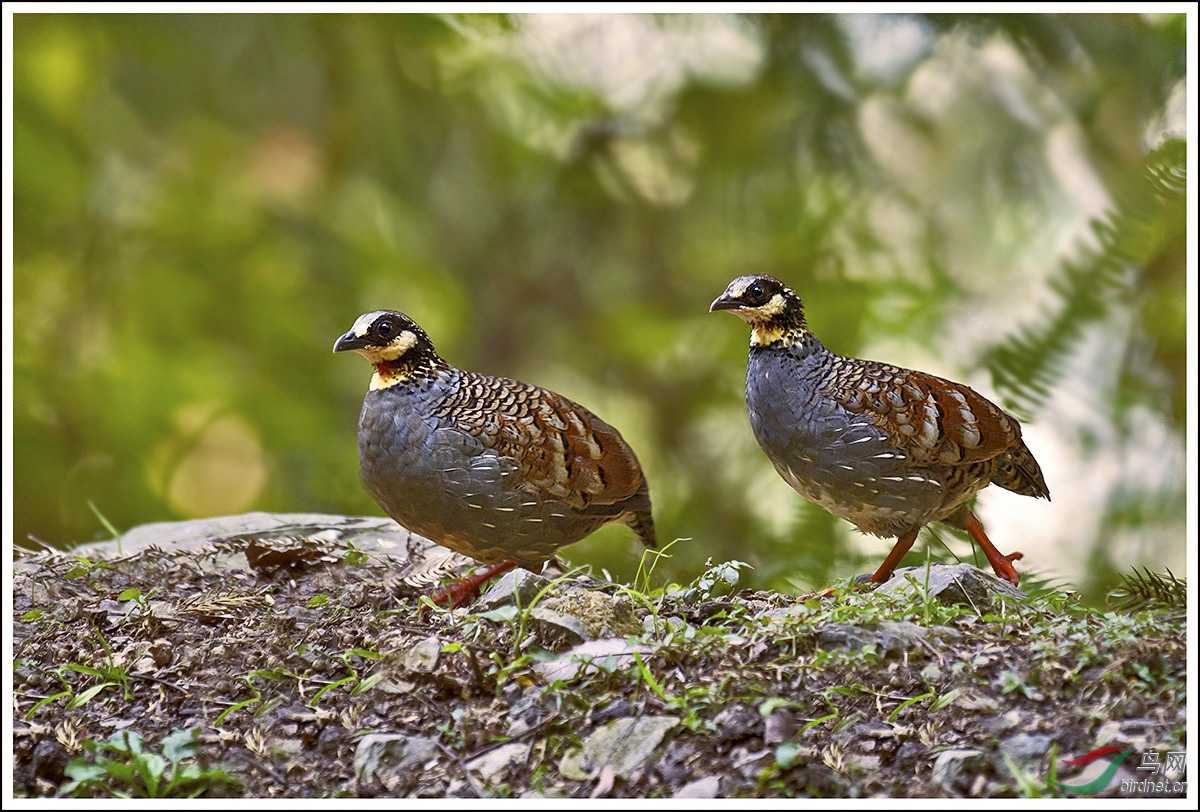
(716, 581)
(86, 568)
(107, 526)
(275, 674)
(1148, 591)
(142, 599)
(688, 705)
(360, 685)
(122, 768)
(353, 556)
(107, 673)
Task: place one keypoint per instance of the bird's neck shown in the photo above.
(781, 335)
(411, 367)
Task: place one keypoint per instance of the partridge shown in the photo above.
(886, 448)
(501, 471)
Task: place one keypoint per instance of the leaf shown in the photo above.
(85, 697)
(150, 768)
(786, 755)
(769, 706)
(180, 744)
(502, 614)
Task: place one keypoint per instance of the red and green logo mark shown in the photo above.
(1092, 787)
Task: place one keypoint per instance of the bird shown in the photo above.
(886, 448)
(501, 471)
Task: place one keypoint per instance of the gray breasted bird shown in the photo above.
(495, 469)
(886, 448)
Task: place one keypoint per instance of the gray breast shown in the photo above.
(440, 481)
(833, 457)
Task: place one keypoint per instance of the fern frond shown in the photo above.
(1148, 591)
(1026, 366)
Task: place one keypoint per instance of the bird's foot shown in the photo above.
(1001, 564)
(466, 589)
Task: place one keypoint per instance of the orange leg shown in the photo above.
(464, 590)
(1002, 564)
(903, 545)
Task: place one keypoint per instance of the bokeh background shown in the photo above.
(203, 203)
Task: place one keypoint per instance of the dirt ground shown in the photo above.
(285, 657)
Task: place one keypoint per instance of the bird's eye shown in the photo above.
(384, 329)
(755, 291)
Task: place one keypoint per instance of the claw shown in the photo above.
(1001, 564)
(466, 589)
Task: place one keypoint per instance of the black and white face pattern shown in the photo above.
(770, 307)
(382, 335)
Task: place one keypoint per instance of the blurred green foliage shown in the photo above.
(203, 203)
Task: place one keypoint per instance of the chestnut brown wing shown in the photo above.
(933, 419)
(563, 451)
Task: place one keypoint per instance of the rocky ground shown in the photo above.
(287, 656)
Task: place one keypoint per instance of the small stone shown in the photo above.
(607, 655)
(573, 766)
(737, 722)
(392, 760)
(557, 627)
(779, 727)
(950, 767)
(513, 584)
(887, 636)
(627, 744)
(49, 761)
(1024, 750)
(424, 655)
(706, 787)
(495, 762)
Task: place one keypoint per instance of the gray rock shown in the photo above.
(556, 630)
(608, 655)
(887, 636)
(574, 767)
(1026, 751)
(424, 655)
(514, 584)
(706, 787)
(601, 614)
(780, 726)
(950, 584)
(955, 770)
(241, 542)
(494, 763)
(392, 761)
(1006, 721)
(626, 745)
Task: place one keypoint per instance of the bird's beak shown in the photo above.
(724, 302)
(349, 341)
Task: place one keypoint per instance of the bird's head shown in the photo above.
(392, 342)
(772, 309)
